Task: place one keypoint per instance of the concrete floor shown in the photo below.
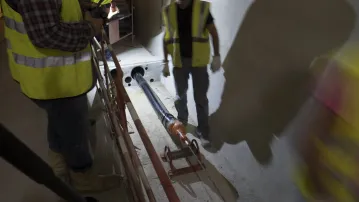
(247, 179)
(209, 185)
(232, 174)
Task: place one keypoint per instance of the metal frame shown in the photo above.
(131, 15)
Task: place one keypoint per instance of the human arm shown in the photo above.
(215, 39)
(216, 60)
(165, 51)
(165, 71)
(44, 26)
(211, 27)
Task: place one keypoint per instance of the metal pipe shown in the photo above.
(34, 167)
(156, 162)
(161, 111)
(127, 138)
(173, 126)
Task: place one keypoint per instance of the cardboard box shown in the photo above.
(114, 33)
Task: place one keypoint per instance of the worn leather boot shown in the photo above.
(58, 165)
(89, 181)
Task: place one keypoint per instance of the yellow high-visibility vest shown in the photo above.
(103, 3)
(338, 154)
(47, 73)
(200, 35)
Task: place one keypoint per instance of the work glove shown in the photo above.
(113, 11)
(166, 69)
(216, 63)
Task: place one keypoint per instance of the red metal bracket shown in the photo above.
(183, 153)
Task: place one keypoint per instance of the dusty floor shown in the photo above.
(207, 185)
(233, 169)
(232, 174)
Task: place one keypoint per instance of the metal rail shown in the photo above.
(124, 130)
(119, 136)
(24, 159)
(156, 162)
(175, 128)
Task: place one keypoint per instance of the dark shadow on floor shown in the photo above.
(267, 68)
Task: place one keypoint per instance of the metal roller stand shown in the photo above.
(175, 128)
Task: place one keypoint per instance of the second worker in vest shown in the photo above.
(48, 46)
(188, 25)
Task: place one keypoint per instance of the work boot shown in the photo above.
(204, 139)
(184, 122)
(58, 165)
(89, 181)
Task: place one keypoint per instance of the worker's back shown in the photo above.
(337, 151)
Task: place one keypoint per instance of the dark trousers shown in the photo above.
(200, 82)
(68, 129)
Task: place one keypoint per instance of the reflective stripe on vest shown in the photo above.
(103, 3)
(51, 61)
(200, 35)
(17, 26)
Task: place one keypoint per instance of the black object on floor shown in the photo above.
(21, 157)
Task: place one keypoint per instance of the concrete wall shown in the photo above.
(266, 49)
(147, 19)
(267, 65)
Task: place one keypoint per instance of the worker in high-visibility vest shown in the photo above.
(329, 166)
(104, 2)
(188, 24)
(50, 57)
